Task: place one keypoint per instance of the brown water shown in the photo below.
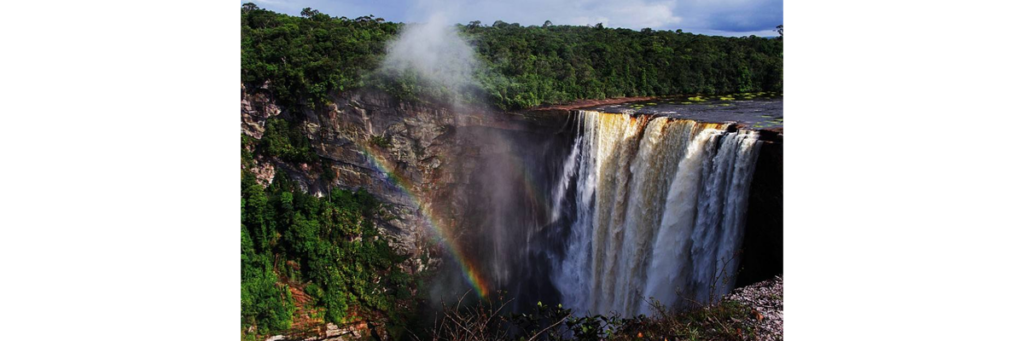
(752, 111)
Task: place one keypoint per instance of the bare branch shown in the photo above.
(548, 328)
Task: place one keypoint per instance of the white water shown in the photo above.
(660, 206)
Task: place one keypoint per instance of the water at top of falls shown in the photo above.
(657, 212)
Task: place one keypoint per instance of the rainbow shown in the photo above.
(469, 270)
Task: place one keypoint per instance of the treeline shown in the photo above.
(307, 58)
(543, 65)
(325, 247)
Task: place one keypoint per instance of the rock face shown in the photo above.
(330, 332)
(395, 150)
(257, 107)
(367, 140)
(762, 242)
(401, 152)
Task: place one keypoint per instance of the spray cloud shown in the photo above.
(436, 54)
(436, 62)
(500, 196)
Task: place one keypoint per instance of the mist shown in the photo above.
(501, 195)
(432, 57)
(435, 53)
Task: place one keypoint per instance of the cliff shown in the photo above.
(402, 152)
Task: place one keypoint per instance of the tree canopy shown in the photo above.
(305, 59)
(531, 66)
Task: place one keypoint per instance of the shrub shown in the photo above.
(285, 140)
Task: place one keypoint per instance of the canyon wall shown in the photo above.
(490, 188)
(424, 161)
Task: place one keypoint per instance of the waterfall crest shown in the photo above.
(656, 211)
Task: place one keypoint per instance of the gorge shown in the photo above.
(599, 211)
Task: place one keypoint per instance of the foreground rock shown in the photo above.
(766, 300)
(330, 332)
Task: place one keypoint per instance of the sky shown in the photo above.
(711, 17)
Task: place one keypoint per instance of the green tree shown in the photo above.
(308, 12)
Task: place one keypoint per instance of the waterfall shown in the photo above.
(657, 212)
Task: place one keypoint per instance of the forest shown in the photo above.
(327, 248)
(304, 59)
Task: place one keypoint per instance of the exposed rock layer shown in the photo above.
(400, 151)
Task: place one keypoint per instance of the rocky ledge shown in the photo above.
(766, 300)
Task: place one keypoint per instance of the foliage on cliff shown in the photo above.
(306, 58)
(287, 142)
(327, 247)
(247, 153)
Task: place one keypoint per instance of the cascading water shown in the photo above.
(655, 208)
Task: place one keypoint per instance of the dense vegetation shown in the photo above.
(535, 65)
(307, 58)
(327, 247)
(287, 142)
